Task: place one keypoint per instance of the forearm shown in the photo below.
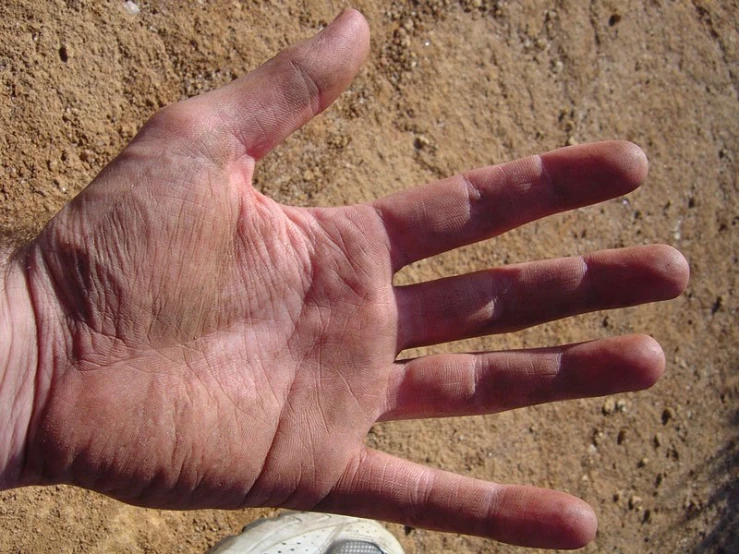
(18, 369)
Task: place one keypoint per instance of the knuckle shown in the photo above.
(421, 497)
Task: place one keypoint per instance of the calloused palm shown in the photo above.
(204, 346)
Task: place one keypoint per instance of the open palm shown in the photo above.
(203, 346)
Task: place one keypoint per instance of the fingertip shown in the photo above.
(581, 524)
(635, 163)
(629, 363)
(335, 56)
(351, 26)
(565, 522)
(590, 173)
(609, 366)
(647, 360)
(679, 269)
(628, 163)
(354, 17)
(672, 268)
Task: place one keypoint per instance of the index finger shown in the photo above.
(486, 202)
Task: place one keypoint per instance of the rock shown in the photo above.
(609, 406)
(131, 7)
(635, 502)
(421, 142)
(667, 415)
(597, 437)
(59, 183)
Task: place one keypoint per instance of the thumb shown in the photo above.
(262, 108)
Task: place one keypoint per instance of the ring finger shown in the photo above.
(489, 382)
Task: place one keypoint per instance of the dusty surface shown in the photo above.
(450, 85)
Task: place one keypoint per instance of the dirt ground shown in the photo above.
(450, 85)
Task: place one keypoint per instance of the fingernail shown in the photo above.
(341, 13)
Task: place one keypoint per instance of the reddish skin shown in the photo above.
(175, 339)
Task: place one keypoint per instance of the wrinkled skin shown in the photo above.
(200, 345)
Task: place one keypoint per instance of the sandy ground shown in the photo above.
(450, 85)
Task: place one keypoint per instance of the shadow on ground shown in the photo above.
(723, 469)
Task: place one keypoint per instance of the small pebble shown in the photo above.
(131, 7)
(622, 405)
(634, 502)
(597, 437)
(421, 141)
(643, 462)
(609, 406)
(61, 185)
(667, 415)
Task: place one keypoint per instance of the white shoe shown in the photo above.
(310, 533)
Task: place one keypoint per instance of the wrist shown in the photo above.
(18, 370)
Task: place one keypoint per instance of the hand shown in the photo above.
(200, 345)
